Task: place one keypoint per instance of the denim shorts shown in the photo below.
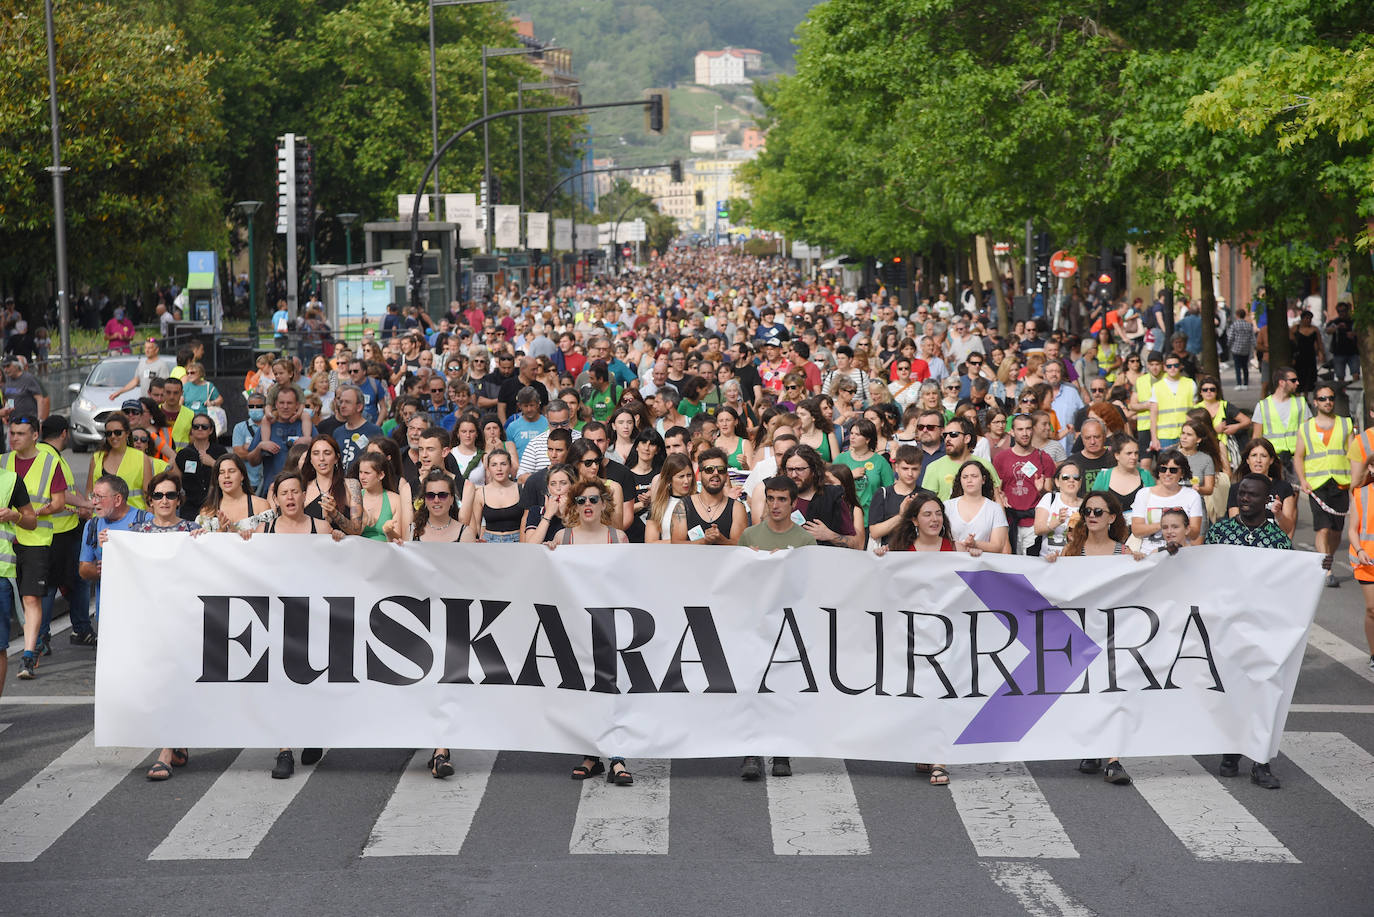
(501, 537)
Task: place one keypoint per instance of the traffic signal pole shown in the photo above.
(653, 106)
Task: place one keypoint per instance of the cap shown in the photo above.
(133, 404)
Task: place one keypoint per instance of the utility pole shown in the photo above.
(64, 316)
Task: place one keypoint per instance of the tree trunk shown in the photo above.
(1203, 244)
(1362, 308)
(974, 274)
(999, 298)
(1276, 322)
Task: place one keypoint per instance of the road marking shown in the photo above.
(428, 817)
(235, 814)
(1035, 890)
(40, 811)
(1331, 708)
(1343, 768)
(1210, 822)
(815, 812)
(54, 629)
(4, 726)
(619, 819)
(1341, 650)
(1005, 814)
(40, 700)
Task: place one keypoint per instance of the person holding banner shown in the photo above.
(1167, 493)
(587, 521)
(676, 481)
(709, 517)
(828, 515)
(975, 517)
(1251, 527)
(230, 507)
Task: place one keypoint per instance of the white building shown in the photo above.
(702, 141)
(721, 68)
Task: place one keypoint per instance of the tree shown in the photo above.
(138, 116)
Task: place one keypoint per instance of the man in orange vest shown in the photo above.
(1360, 528)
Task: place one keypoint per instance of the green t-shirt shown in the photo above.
(687, 409)
(939, 475)
(603, 403)
(869, 474)
(765, 539)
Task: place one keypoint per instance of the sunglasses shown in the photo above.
(792, 388)
(590, 462)
(949, 433)
(1069, 477)
(165, 495)
(109, 433)
(1293, 379)
(202, 426)
(140, 440)
(1028, 399)
(927, 426)
(713, 469)
(593, 499)
(1324, 398)
(1171, 469)
(1103, 391)
(437, 494)
(1172, 365)
(1096, 512)
(1208, 388)
(133, 412)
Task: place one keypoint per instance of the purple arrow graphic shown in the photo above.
(1008, 718)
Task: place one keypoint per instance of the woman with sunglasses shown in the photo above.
(905, 387)
(230, 507)
(197, 392)
(1225, 418)
(1058, 508)
(1260, 458)
(164, 493)
(437, 521)
(1172, 469)
(196, 462)
(118, 458)
(496, 509)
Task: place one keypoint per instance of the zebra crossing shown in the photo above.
(1002, 809)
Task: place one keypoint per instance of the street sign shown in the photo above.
(1001, 249)
(1063, 265)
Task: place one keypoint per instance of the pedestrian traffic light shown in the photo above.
(656, 112)
(305, 187)
(675, 171)
(495, 190)
(285, 182)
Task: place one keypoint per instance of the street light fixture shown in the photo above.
(487, 54)
(248, 208)
(347, 219)
(434, 80)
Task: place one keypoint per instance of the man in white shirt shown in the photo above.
(151, 364)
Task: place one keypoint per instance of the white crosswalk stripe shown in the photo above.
(4, 726)
(1006, 814)
(428, 817)
(42, 810)
(1344, 769)
(1341, 650)
(1209, 821)
(235, 814)
(1035, 890)
(619, 819)
(814, 812)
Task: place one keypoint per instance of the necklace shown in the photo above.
(719, 508)
(441, 528)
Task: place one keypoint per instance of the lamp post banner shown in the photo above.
(507, 224)
(462, 210)
(294, 640)
(537, 231)
(562, 235)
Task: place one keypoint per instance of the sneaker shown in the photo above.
(1090, 765)
(26, 666)
(751, 768)
(1115, 773)
(311, 755)
(86, 639)
(1332, 582)
(45, 646)
(1230, 766)
(285, 766)
(1260, 775)
(782, 767)
(1371, 663)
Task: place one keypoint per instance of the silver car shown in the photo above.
(92, 403)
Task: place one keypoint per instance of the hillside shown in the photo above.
(621, 47)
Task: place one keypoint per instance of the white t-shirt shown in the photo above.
(1053, 503)
(763, 469)
(1150, 506)
(990, 516)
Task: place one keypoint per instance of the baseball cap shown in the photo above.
(133, 404)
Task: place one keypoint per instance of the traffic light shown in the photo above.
(893, 273)
(675, 171)
(286, 166)
(701, 198)
(305, 187)
(656, 112)
(495, 191)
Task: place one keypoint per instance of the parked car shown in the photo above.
(92, 403)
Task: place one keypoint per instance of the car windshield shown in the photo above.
(112, 372)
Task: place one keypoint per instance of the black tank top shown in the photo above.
(724, 521)
(504, 518)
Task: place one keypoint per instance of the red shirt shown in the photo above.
(59, 480)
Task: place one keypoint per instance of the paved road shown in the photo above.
(369, 832)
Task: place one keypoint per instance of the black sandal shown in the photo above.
(180, 757)
(159, 771)
(621, 777)
(439, 766)
(584, 770)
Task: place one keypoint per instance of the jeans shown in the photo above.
(1342, 362)
(6, 611)
(1241, 361)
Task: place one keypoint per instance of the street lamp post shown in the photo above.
(434, 81)
(487, 54)
(64, 323)
(520, 88)
(248, 209)
(347, 219)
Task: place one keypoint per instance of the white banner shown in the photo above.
(563, 235)
(405, 206)
(584, 236)
(671, 651)
(462, 209)
(506, 225)
(537, 231)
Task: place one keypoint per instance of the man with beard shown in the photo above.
(709, 517)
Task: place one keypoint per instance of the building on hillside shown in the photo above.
(717, 181)
(703, 141)
(751, 138)
(720, 68)
(603, 181)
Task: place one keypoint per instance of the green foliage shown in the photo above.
(137, 114)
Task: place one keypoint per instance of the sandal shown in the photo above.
(621, 777)
(439, 766)
(159, 771)
(939, 776)
(924, 768)
(180, 757)
(585, 769)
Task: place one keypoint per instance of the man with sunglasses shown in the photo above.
(374, 394)
(538, 452)
(46, 486)
(709, 517)
(1170, 400)
(1322, 462)
(938, 476)
(1280, 416)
